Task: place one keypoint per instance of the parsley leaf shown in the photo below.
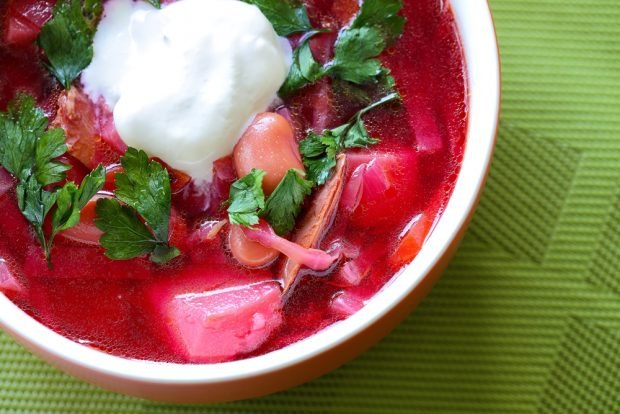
(27, 152)
(125, 235)
(376, 26)
(154, 3)
(354, 55)
(144, 187)
(319, 151)
(286, 16)
(284, 204)
(35, 203)
(20, 128)
(247, 199)
(71, 199)
(381, 14)
(30, 153)
(305, 70)
(67, 38)
(356, 51)
(51, 145)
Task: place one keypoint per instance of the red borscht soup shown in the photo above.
(329, 191)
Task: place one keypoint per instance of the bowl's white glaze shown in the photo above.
(332, 347)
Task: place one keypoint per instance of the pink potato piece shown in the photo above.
(7, 280)
(216, 326)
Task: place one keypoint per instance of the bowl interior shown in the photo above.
(482, 65)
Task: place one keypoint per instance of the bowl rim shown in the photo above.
(479, 42)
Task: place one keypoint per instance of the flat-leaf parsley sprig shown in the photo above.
(358, 46)
(319, 151)
(247, 202)
(29, 151)
(141, 225)
(286, 16)
(67, 38)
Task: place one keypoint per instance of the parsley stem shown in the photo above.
(388, 98)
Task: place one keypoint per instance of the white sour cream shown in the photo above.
(185, 81)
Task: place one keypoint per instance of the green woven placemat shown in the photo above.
(527, 318)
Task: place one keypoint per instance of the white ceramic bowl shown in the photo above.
(336, 345)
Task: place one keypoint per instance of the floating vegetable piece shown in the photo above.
(317, 220)
(269, 145)
(88, 136)
(312, 258)
(215, 326)
(214, 312)
(251, 254)
(345, 304)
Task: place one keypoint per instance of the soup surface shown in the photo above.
(207, 304)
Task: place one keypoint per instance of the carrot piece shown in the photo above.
(411, 242)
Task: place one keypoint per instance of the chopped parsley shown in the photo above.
(304, 69)
(247, 201)
(355, 55)
(383, 15)
(144, 188)
(284, 204)
(71, 199)
(286, 16)
(154, 3)
(319, 151)
(29, 152)
(67, 38)
(356, 51)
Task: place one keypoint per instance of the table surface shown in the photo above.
(527, 318)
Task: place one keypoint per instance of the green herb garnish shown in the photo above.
(304, 70)
(67, 38)
(29, 152)
(286, 16)
(154, 3)
(284, 204)
(376, 26)
(144, 187)
(71, 199)
(319, 151)
(247, 200)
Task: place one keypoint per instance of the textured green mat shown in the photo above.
(527, 318)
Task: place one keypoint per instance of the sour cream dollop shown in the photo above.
(185, 81)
